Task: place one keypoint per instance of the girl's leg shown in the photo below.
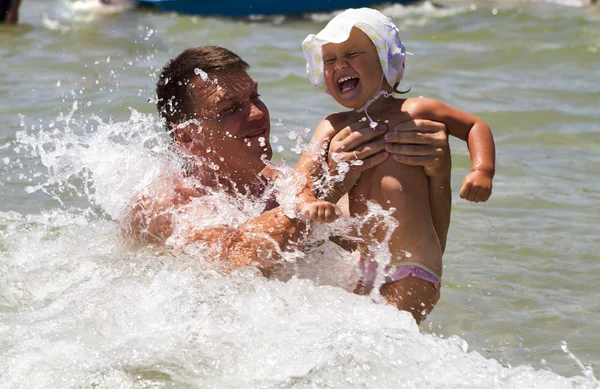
(412, 294)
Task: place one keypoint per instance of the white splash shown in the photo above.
(79, 311)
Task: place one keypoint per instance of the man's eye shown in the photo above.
(230, 109)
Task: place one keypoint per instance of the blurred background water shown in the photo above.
(519, 305)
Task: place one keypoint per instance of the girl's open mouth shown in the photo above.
(347, 83)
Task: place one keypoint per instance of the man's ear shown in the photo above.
(182, 132)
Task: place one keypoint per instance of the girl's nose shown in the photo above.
(340, 64)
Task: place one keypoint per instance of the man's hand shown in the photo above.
(354, 142)
(421, 143)
(476, 187)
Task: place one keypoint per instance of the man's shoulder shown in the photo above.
(167, 191)
(160, 187)
(155, 210)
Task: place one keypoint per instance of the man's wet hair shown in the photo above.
(176, 99)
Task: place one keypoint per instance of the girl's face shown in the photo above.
(352, 69)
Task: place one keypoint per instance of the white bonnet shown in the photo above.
(378, 27)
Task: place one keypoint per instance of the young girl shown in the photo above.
(358, 58)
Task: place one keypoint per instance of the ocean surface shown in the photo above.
(78, 132)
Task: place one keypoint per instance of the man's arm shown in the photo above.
(260, 242)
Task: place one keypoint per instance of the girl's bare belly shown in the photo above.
(404, 188)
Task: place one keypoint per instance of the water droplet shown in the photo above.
(203, 75)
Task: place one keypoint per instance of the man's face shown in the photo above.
(235, 123)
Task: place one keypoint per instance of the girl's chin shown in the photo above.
(354, 107)
(349, 103)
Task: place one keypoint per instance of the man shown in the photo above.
(9, 11)
(221, 127)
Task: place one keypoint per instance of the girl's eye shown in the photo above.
(353, 54)
(329, 61)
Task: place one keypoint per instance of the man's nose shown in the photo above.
(255, 113)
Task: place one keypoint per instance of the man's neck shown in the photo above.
(248, 184)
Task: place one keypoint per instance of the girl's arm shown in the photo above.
(311, 162)
(477, 185)
(337, 143)
(311, 165)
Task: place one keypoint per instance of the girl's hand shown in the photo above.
(476, 187)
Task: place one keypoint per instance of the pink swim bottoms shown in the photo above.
(397, 272)
(415, 271)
